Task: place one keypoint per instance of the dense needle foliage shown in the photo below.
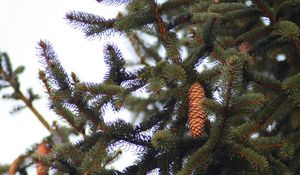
(245, 54)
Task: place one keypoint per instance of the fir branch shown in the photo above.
(264, 80)
(266, 10)
(280, 166)
(59, 78)
(265, 44)
(146, 163)
(248, 102)
(163, 115)
(253, 34)
(261, 117)
(232, 77)
(180, 20)
(35, 111)
(208, 33)
(163, 30)
(196, 56)
(55, 71)
(26, 100)
(92, 25)
(203, 153)
(213, 106)
(115, 61)
(66, 167)
(252, 156)
(149, 51)
(226, 7)
(291, 83)
(58, 108)
(209, 74)
(140, 20)
(237, 14)
(103, 89)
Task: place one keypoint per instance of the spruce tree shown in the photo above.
(220, 84)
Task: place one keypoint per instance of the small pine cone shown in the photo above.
(197, 117)
(42, 149)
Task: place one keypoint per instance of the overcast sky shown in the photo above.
(23, 24)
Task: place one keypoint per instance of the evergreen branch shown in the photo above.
(226, 7)
(280, 166)
(260, 117)
(266, 10)
(92, 25)
(180, 20)
(69, 117)
(35, 111)
(291, 83)
(65, 167)
(163, 30)
(62, 111)
(203, 152)
(160, 24)
(137, 42)
(196, 56)
(27, 101)
(208, 33)
(212, 106)
(209, 74)
(137, 46)
(53, 67)
(272, 143)
(115, 61)
(253, 34)
(232, 72)
(145, 164)
(264, 80)
(102, 89)
(164, 115)
(237, 14)
(60, 79)
(252, 156)
(266, 43)
(249, 101)
(90, 114)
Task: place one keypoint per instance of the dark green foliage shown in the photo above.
(92, 25)
(251, 97)
(115, 61)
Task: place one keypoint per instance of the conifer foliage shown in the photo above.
(244, 54)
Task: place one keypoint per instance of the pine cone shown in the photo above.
(42, 149)
(197, 117)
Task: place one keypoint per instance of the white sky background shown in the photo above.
(23, 24)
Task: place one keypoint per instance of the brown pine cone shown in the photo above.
(42, 149)
(197, 117)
